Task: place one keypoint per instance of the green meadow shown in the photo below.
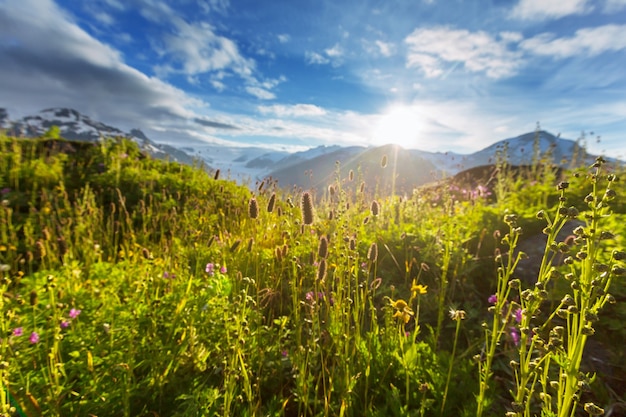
(137, 287)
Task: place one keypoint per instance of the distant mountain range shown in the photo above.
(316, 167)
(76, 126)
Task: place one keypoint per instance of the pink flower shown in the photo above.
(65, 324)
(34, 338)
(18, 331)
(515, 335)
(492, 299)
(210, 268)
(74, 313)
(223, 270)
(518, 315)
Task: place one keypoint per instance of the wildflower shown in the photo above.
(18, 331)
(375, 208)
(223, 270)
(403, 312)
(271, 203)
(74, 313)
(210, 268)
(253, 208)
(321, 270)
(306, 205)
(284, 353)
(457, 315)
(518, 315)
(419, 289)
(515, 335)
(34, 338)
(65, 324)
(493, 298)
(372, 253)
(322, 250)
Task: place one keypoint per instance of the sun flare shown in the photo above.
(399, 125)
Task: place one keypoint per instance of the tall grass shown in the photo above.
(132, 286)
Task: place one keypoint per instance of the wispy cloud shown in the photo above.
(196, 48)
(543, 10)
(315, 58)
(333, 56)
(433, 50)
(295, 110)
(585, 42)
(260, 93)
(283, 38)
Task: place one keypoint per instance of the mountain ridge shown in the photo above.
(315, 166)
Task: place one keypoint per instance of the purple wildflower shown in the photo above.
(74, 313)
(65, 324)
(5, 191)
(284, 353)
(34, 338)
(18, 331)
(223, 270)
(210, 268)
(492, 299)
(515, 335)
(518, 315)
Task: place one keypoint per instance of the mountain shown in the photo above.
(413, 168)
(76, 126)
(315, 167)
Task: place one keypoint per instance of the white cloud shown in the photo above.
(56, 63)
(315, 58)
(334, 52)
(260, 93)
(586, 42)
(434, 50)
(332, 55)
(386, 48)
(295, 110)
(549, 9)
(196, 48)
(283, 38)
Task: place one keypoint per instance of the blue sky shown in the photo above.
(429, 74)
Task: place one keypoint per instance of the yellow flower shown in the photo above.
(399, 304)
(403, 315)
(403, 312)
(419, 289)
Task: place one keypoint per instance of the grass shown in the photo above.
(136, 287)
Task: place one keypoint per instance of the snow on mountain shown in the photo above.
(250, 164)
(76, 126)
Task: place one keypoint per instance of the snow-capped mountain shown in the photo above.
(313, 166)
(76, 126)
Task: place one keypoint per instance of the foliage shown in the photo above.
(132, 286)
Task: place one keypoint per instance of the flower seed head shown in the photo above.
(375, 208)
(322, 250)
(372, 253)
(271, 203)
(307, 208)
(253, 208)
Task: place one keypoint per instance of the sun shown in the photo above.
(398, 125)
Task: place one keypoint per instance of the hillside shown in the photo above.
(134, 286)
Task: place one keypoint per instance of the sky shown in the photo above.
(435, 75)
